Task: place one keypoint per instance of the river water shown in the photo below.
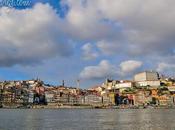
(87, 119)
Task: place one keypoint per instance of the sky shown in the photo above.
(89, 40)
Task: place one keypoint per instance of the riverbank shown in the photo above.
(85, 107)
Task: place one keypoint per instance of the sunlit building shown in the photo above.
(147, 78)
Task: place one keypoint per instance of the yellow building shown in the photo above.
(167, 83)
(112, 98)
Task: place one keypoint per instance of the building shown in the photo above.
(164, 100)
(49, 97)
(93, 99)
(171, 89)
(96, 88)
(142, 97)
(146, 76)
(109, 84)
(153, 83)
(123, 84)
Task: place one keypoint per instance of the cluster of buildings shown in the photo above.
(33, 93)
(21, 93)
(146, 89)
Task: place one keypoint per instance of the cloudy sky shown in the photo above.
(88, 40)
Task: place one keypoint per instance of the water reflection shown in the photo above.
(87, 119)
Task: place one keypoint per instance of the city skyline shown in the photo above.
(88, 40)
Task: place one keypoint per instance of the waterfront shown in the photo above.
(87, 119)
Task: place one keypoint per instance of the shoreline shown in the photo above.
(87, 107)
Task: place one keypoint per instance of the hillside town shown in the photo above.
(148, 89)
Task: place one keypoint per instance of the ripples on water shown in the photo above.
(87, 119)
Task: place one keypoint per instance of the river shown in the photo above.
(87, 119)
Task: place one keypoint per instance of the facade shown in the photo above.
(109, 84)
(93, 99)
(49, 97)
(123, 84)
(96, 88)
(153, 83)
(171, 89)
(142, 97)
(164, 100)
(31, 97)
(146, 76)
(112, 98)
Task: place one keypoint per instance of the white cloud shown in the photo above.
(108, 48)
(129, 66)
(103, 70)
(30, 36)
(86, 20)
(148, 26)
(147, 32)
(164, 67)
(88, 52)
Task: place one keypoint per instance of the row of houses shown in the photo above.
(36, 92)
(142, 79)
(146, 88)
(19, 93)
(74, 96)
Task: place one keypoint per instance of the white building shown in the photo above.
(146, 76)
(109, 84)
(171, 88)
(153, 83)
(49, 97)
(96, 88)
(123, 84)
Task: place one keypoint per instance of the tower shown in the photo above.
(63, 83)
(78, 83)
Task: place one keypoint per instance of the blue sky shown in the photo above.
(90, 40)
